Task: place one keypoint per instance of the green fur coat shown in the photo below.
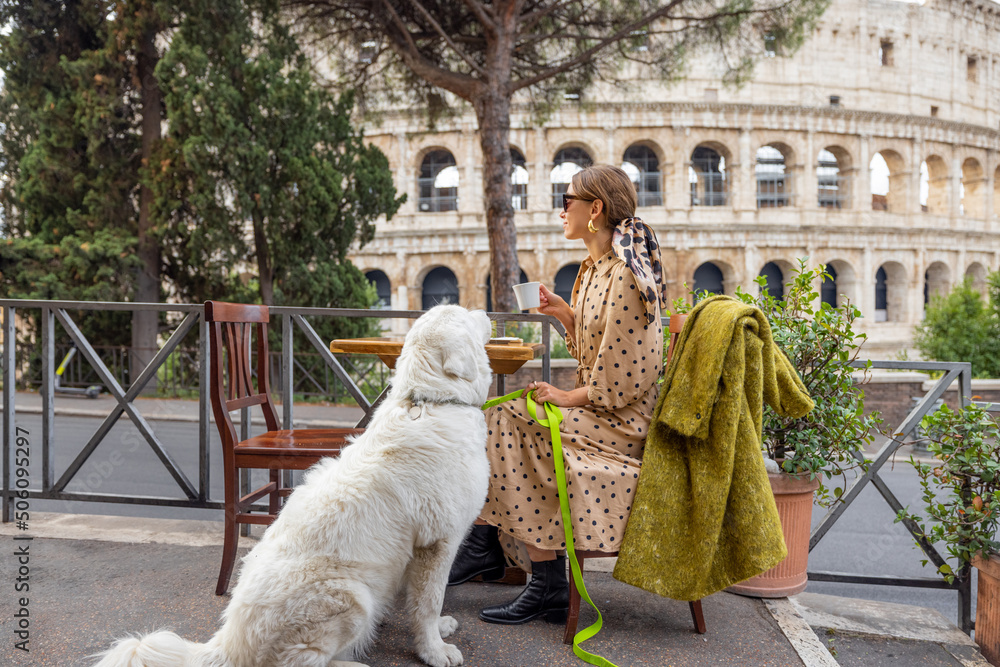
(704, 517)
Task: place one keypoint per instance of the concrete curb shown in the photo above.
(800, 635)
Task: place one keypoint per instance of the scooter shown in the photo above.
(93, 391)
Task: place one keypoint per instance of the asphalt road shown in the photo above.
(864, 541)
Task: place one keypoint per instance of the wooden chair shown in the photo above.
(276, 450)
(676, 324)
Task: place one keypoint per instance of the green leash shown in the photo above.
(553, 416)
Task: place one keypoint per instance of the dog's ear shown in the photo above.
(461, 362)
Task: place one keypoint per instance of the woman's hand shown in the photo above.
(552, 304)
(546, 393)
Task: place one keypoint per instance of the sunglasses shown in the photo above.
(568, 198)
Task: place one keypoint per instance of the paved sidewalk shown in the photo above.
(95, 578)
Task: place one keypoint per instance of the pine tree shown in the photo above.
(261, 173)
(67, 146)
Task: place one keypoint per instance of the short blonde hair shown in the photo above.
(612, 186)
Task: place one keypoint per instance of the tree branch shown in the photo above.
(454, 47)
(402, 42)
(484, 16)
(585, 55)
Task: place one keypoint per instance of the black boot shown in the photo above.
(480, 554)
(546, 594)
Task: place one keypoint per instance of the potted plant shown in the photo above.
(961, 499)
(804, 454)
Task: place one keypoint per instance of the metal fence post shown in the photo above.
(48, 395)
(204, 410)
(9, 345)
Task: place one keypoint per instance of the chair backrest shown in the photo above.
(229, 329)
(676, 325)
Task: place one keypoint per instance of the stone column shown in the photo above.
(743, 191)
(862, 185)
(806, 184)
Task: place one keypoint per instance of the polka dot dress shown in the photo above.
(620, 358)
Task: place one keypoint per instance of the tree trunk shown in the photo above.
(265, 271)
(145, 324)
(493, 113)
(492, 105)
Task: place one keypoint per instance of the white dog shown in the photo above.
(387, 516)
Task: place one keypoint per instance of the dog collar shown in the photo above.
(419, 402)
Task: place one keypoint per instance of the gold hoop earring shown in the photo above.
(590, 226)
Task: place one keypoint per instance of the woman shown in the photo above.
(613, 330)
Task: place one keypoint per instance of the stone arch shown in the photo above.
(776, 278)
(523, 278)
(437, 182)
(641, 161)
(772, 175)
(566, 161)
(715, 276)
(786, 268)
(842, 287)
(383, 287)
(708, 174)
(973, 194)
(891, 288)
(890, 194)
(996, 193)
(934, 185)
(937, 281)
(833, 177)
(565, 279)
(518, 179)
(977, 274)
(438, 285)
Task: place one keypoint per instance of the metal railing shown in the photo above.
(960, 372)
(193, 494)
(196, 495)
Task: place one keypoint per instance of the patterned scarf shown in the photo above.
(635, 244)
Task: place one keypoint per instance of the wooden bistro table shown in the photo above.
(506, 354)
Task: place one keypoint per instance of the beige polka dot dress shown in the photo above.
(620, 358)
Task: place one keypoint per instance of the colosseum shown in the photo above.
(874, 149)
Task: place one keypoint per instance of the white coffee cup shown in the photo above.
(527, 295)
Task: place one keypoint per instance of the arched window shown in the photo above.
(973, 202)
(708, 278)
(566, 163)
(977, 274)
(888, 182)
(438, 183)
(891, 293)
(707, 176)
(440, 286)
(773, 184)
(519, 181)
(828, 291)
(937, 281)
(642, 166)
(881, 296)
(382, 286)
(565, 279)
(831, 181)
(489, 290)
(775, 280)
(934, 186)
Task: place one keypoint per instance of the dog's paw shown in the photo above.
(444, 655)
(447, 626)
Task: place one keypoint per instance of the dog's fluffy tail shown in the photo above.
(157, 649)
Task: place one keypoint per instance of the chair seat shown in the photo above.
(300, 442)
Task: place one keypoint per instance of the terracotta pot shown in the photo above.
(988, 608)
(794, 498)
